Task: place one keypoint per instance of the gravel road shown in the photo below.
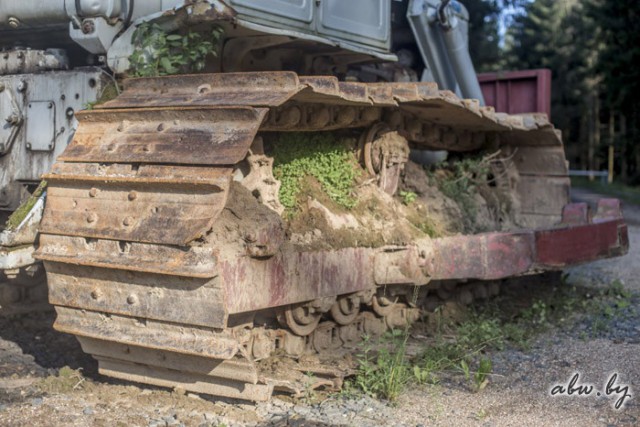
(40, 384)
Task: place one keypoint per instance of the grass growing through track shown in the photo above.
(462, 350)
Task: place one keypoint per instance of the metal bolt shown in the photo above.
(91, 218)
(88, 26)
(96, 294)
(132, 299)
(128, 221)
(133, 195)
(28, 146)
(22, 86)
(93, 192)
(50, 105)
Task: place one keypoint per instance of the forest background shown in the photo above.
(593, 50)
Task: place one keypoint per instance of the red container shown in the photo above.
(517, 92)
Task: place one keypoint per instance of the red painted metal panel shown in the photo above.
(517, 92)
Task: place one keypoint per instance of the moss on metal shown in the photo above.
(23, 210)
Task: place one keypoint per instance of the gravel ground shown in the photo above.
(39, 384)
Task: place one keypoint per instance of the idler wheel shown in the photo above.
(345, 310)
(370, 152)
(383, 306)
(302, 320)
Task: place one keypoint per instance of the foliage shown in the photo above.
(321, 156)
(385, 373)
(408, 197)
(592, 51)
(459, 183)
(159, 53)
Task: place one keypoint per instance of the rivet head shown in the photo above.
(93, 192)
(96, 294)
(132, 299)
(128, 221)
(91, 218)
(133, 195)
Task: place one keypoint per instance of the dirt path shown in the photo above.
(39, 384)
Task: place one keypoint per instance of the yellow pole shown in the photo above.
(611, 153)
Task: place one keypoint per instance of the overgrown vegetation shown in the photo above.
(159, 53)
(386, 372)
(459, 182)
(463, 349)
(408, 197)
(329, 160)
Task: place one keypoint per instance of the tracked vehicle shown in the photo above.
(230, 232)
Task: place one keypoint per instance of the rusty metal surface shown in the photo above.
(172, 378)
(234, 369)
(149, 296)
(195, 341)
(421, 101)
(200, 262)
(226, 89)
(292, 276)
(486, 256)
(201, 136)
(132, 211)
(579, 244)
(141, 174)
(603, 236)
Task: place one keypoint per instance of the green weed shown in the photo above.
(321, 156)
(459, 183)
(159, 53)
(385, 373)
(408, 197)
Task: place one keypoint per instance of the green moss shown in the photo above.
(23, 210)
(330, 161)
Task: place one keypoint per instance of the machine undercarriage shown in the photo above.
(168, 257)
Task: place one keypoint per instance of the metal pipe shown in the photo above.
(455, 34)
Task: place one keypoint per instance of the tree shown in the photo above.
(483, 34)
(618, 35)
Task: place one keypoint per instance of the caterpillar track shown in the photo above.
(167, 257)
